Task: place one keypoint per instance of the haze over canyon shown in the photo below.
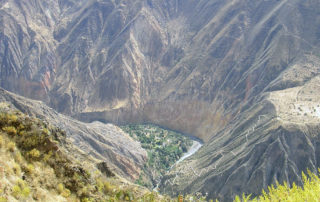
(241, 75)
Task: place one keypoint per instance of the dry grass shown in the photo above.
(1, 141)
(32, 168)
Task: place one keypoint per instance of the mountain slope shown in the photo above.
(106, 142)
(233, 73)
(38, 163)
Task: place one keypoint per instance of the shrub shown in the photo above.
(29, 169)
(12, 118)
(108, 188)
(63, 191)
(21, 127)
(21, 183)
(11, 146)
(100, 185)
(47, 157)
(84, 192)
(45, 131)
(309, 192)
(34, 154)
(16, 169)
(31, 140)
(25, 192)
(60, 188)
(10, 130)
(66, 193)
(16, 191)
(149, 197)
(8, 119)
(22, 132)
(87, 199)
(20, 190)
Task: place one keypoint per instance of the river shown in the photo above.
(196, 145)
(193, 149)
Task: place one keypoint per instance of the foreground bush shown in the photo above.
(310, 191)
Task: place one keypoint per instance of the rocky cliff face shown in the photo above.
(187, 65)
(212, 69)
(272, 140)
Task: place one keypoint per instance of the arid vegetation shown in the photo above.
(310, 191)
(34, 166)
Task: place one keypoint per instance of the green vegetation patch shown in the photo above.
(310, 191)
(164, 148)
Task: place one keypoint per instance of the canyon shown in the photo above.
(240, 75)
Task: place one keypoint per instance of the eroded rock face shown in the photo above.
(274, 139)
(199, 67)
(249, 155)
(174, 63)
